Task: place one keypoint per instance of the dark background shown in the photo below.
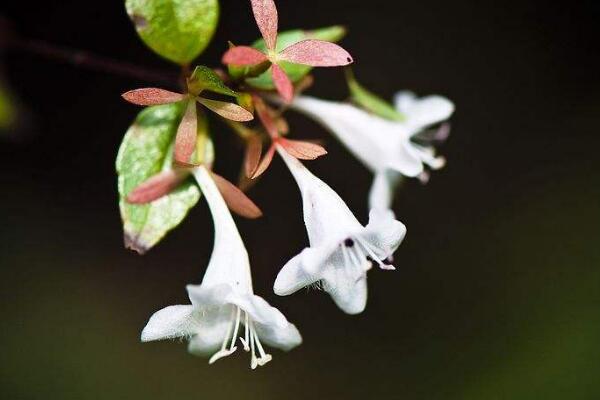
(496, 295)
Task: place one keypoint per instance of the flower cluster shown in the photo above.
(393, 142)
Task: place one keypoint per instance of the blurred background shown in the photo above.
(497, 291)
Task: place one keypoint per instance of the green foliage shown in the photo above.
(294, 71)
(370, 101)
(204, 78)
(146, 150)
(178, 30)
(7, 109)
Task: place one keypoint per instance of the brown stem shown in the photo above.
(80, 58)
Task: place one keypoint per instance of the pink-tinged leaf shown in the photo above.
(316, 53)
(227, 110)
(152, 97)
(264, 115)
(236, 200)
(156, 187)
(243, 55)
(253, 153)
(282, 83)
(265, 163)
(267, 20)
(301, 149)
(185, 141)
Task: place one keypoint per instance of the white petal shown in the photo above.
(326, 215)
(367, 136)
(425, 111)
(229, 260)
(212, 330)
(407, 161)
(171, 322)
(404, 100)
(301, 271)
(271, 325)
(383, 188)
(384, 233)
(205, 296)
(348, 292)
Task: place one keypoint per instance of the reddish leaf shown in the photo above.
(316, 53)
(266, 17)
(236, 200)
(227, 110)
(265, 117)
(242, 55)
(265, 163)
(282, 125)
(282, 83)
(156, 187)
(301, 149)
(152, 97)
(253, 153)
(185, 141)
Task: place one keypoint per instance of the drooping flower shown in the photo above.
(312, 52)
(388, 148)
(224, 306)
(341, 249)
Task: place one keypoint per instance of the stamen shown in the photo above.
(224, 352)
(246, 340)
(253, 360)
(374, 257)
(264, 357)
(237, 325)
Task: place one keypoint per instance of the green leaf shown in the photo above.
(7, 109)
(146, 150)
(204, 78)
(178, 30)
(370, 101)
(294, 71)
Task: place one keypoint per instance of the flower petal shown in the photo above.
(185, 141)
(156, 187)
(236, 200)
(152, 97)
(301, 149)
(171, 322)
(271, 325)
(407, 161)
(243, 55)
(267, 20)
(282, 83)
(382, 191)
(301, 271)
(227, 110)
(371, 139)
(326, 215)
(210, 335)
(316, 53)
(384, 233)
(425, 111)
(348, 292)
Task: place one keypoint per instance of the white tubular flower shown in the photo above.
(341, 250)
(388, 148)
(224, 306)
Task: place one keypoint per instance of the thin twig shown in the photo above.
(80, 58)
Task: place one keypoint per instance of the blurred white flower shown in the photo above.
(341, 250)
(388, 148)
(225, 300)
